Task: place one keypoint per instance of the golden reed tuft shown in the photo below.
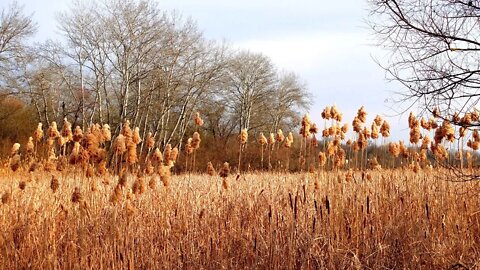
(210, 169)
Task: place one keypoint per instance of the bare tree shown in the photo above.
(15, 29)
(290, 98)
(249, 82)
(434, 50)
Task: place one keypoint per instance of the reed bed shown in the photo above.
(388, 219)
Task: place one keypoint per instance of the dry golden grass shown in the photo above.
(335, 220)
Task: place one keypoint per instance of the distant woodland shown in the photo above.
(131, 60)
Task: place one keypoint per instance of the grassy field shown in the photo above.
(336, 220)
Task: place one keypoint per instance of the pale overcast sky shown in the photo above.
(327, 43)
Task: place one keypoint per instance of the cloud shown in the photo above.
(307, 51)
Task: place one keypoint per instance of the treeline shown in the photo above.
(131, 60)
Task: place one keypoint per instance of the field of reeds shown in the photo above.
(336, 220)
(87, 199)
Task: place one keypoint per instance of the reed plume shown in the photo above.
(198, 120)
(14, 150)
(30, 146)
(210, 169)
(262, 140)
(38, 134)
(242, 139)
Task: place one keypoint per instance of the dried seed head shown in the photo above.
(339, 158)
(313, 128)
(126, 130)
(30, 145)
(415, 134)
(53, 131)
(322, 159)
(61, 164)
(225, 184)
(77, 134)
(106, 133)
(326, 114)
(412, 120)
(116, 195)
(6, 197)
(131, 152)
(271, 139)
(385, 129)
(425, 142)
(289, 140)
(474, 145)
(67, 130)
(262, 140)
(334, 112)
(123, 179)
(157, 156)
(138, 186)
(378, 120)
(393, 149)
(362, 115)
(374, 133)
(33, 167)
(14, 150)
(243, 136)
(210, 169)
(152, 183)
(22, 185)
(77, 196)
(54, 184)
(167, 152)
(280, 137)
(225, 170)
(102, 168)
(198, 121)
(38, 134)
(150, 140)
(119, 145)
(165, 174)
(313, 142)
(90, 172)
(196, 140)
(188, 146)
(439, 151)
(136, 136)
(306, 124)
(173, 155)
(15, 162)
(357, 124)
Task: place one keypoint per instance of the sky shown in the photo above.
(327, 43)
